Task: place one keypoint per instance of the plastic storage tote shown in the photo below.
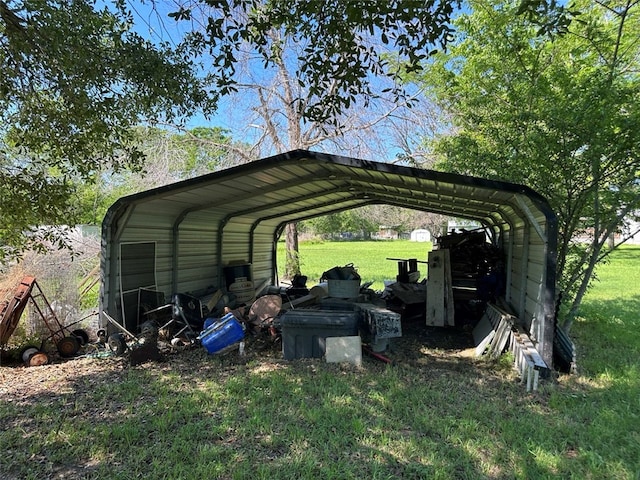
(304, 331)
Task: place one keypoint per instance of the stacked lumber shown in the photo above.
(476, 273)
(496, 331)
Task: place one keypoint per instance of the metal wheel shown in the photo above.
(117, 343)
(68, 346)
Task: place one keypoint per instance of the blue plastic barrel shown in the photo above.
(208, 322)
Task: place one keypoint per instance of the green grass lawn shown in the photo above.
(608, 329)
(369, 258)
(439, 416)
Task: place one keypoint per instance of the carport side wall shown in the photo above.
(131, 225)
(527, 288)
(244, 242)
(146, 224)
(263, 255)
(196, 254)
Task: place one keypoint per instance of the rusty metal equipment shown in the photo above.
(67, 341)
(407, 269)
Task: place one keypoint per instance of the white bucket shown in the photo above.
(243, 291)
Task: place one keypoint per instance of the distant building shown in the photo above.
(633, 230)
(386, 233)
(421, 235)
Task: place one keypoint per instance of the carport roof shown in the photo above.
(301, 184)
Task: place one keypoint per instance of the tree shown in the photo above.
(336, 61)
(168, 157)
(560, 115)
(174, 156)
(74, 79)
(335, 224)
(405, 219)
(274, 103)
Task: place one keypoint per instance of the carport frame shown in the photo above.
(236, 215)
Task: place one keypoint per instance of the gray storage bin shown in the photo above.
(304, 331)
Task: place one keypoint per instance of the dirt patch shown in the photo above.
(419, 346)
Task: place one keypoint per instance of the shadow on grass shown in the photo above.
(607, 336)
(433, 414)
(624, 312)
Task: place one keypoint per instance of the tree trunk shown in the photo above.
(292, 263)
(596, 248)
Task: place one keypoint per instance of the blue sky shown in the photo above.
(152, 22)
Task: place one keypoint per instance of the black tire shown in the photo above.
(117, 343)
(68, 346)
(81, 335)
(31, 349)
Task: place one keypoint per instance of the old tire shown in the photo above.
(38, 359)
(117, 343)
(68, 346)
(25, 353)
(81, 335)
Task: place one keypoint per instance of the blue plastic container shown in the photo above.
(208, 322)
(222, 334)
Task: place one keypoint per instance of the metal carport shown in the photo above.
(178, 238)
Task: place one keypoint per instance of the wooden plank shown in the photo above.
(530, 350)
(503, 334)
(448, 291)
(440, 309)
(495, 314)
(483, 334)
(435, 289)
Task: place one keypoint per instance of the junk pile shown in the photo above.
(337, 319)
(303, 319)
(67, 340)
(474, 273)
(331, 319)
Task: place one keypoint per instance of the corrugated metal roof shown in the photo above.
(301, 184)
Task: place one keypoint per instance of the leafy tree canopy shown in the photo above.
(74, 79)
(561, 116)
(169, 157)
(337, 61)
(337, 224)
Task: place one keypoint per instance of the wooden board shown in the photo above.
(503, 333)
(440, 311)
